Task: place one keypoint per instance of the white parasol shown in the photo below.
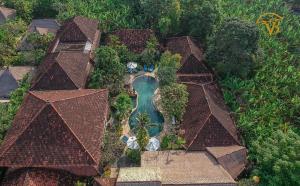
(132, 143)
(153, 144)
(131, 65)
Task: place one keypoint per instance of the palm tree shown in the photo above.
(142, 129)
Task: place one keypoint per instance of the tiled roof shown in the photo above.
(192, 56)
(38, 177)
(44, 26)
(202, 78)
(6, 13)
(9, 78)
(207, 121)
(187, 168)
(134, 39)
(62, 70)
(58, 129)
(79, 29)
(232, 158)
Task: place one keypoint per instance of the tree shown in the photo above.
(233, 47)
(167, 68)
(109, 71)
(24, 8)
(277, 159)
(142, 129)
(112, 147)
(8, 112)
(162, 15)
(10, 34)
(123, 52)
(150, 54)
(123, 105)
(200, 18)
(174, 100)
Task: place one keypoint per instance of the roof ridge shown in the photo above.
(72, 132)
(207, 95)
(199, 130)
(68, 76)
(87, 94)
(78, 25)
(30, 122)
(46, 70)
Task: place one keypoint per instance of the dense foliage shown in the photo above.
(123, 105)
(167, 68)
(174, 100)
(231, 52)
(172, 142)
(112, 147)
(278, 158)
(269, 102)
(109, 71)
(134, 155)
(10, 35)
(7, 112)
(143, 124)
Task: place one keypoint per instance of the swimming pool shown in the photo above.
(145, 87)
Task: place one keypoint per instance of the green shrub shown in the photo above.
(172, 142)
(134, 155)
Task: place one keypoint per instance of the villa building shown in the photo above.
(63, 70)
(11, 77)
(207, 122)
(41, 27)
(77, 34)
(38, 177)
(134, 39)
(60, 130)
(6, 14)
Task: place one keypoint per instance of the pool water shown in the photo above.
(145, 87)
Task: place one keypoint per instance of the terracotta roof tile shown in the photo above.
(134, 39)
(192, 56)
(232, 158)
(207, 121)
(63, 70)
(58, 129)
(38, 177)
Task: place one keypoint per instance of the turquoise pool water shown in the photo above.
(145, 87)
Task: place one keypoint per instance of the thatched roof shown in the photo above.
(6, 13)
(187, 168)
(232, 158)
(44, 26)
(58, 129)
(10, 77)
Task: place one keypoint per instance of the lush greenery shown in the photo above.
(172, 142)
(7, 112)
(134, 155)
(150, 54)
(123, 105)
(10, 35)
(269, 102)
(278, 157)
(174, 100)
(143, 124)
(112, 147)
(109, 71)
(167, 68)
(232, 49)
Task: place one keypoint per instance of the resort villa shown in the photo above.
(57, 133)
